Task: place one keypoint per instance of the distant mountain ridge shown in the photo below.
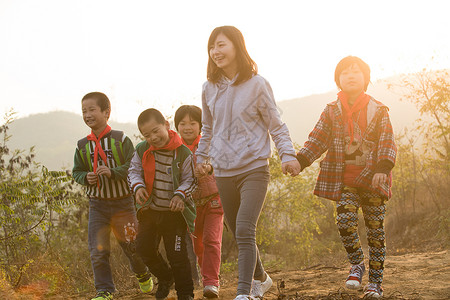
(55, 134)
(301, 114)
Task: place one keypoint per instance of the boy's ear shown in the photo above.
(167, 125)
(108, 112)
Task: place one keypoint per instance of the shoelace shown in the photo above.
(256, 288)
(373, 287)
(356, 271)
(105, 295)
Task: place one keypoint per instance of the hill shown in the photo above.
(301, 114)
(55, 134)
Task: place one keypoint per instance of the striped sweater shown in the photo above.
(112, 188)
(179, 165)
(164, 187)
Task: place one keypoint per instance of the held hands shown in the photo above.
(292, 167)
(176, 204)
(104, 170)
(92, 177)
(141, 196)
(378, 179)
(202, 170)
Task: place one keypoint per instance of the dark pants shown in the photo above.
(172, 227)
(120, 217)
(192, 259)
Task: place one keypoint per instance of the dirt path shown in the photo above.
(408, 276)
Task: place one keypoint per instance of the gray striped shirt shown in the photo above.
(163, 188)
(162, 191)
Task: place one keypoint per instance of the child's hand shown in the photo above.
(378, 179)
(292, 167)
(176, 204)
(104, 170)
(92, 178)
(202, 170)
(141, 196)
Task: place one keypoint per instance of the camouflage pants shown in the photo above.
(374, 210)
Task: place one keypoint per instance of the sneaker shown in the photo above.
(373, 290)
(103, 295)
(145, 282)
(244, 297)
(354, 279)
(163, 289)
(211, 291)
(260, 288)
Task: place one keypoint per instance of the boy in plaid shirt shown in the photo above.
(356, 132)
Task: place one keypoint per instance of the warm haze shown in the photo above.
(148, 53)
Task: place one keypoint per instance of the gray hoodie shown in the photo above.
(236, 122)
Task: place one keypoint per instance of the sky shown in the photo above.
(154, 53)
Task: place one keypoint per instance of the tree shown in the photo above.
(291, 215)
(430, 92)
(422, 173)
(29, 193)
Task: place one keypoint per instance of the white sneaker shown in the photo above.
(373, 291)
(260, 288)
(354, 279)
(211, 291)
(245, 297)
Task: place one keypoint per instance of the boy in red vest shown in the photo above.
(161, 175)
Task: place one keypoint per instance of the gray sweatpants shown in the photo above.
(242, 198)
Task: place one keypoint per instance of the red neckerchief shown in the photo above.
(360, 103)
(98, 148)
(148, 159)
(194, 144)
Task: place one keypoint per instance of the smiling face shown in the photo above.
(189, 129)
(351, 80)
(156, 134)
(93, 115)
(223, 54)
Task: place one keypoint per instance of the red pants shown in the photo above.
(208, 241)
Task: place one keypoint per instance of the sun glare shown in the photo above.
(145, 54)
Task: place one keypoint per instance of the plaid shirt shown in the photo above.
(329, 135)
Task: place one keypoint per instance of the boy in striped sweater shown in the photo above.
(161, 175)
(101, 165)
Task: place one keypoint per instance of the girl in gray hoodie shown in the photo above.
(239, 113)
